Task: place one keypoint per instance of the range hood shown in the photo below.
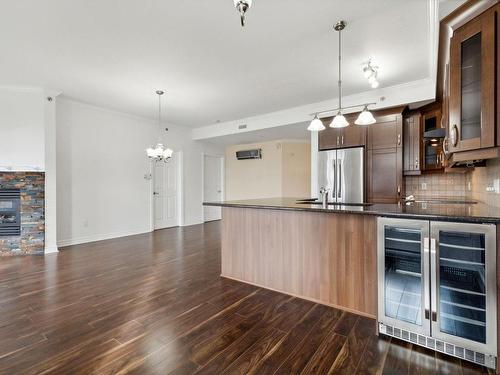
(435, 133)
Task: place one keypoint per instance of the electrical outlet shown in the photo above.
(494, 186)
(424, 186)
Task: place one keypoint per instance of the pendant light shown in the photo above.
(365, 117)
(316, 125)
(339, 121)
(159, 152)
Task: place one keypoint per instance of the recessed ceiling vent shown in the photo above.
(249, 154)
(244, 126)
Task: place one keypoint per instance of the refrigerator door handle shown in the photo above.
(427, 297)
(334, 192)
(434, 286)
(340, 179)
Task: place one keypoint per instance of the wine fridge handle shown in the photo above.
(435, 287)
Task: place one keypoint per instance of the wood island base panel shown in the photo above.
(323, 257)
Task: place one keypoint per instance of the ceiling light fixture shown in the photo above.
(339, 121)
(365, 117)
(159, 152)
(370, 71)
(316, 125)
(242, 6)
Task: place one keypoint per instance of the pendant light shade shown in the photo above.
(339, 121)
(316, 125)
(365, 118)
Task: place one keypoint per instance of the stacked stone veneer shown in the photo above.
(32, 239)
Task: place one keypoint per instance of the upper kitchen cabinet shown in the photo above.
(472, 84)
(350, 136)
(388, 130)
(412, 143)
(385, 156)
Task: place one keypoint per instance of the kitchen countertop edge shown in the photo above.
(382, 209)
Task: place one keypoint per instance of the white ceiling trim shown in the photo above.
(405, 93)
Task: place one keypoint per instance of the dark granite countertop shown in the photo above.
(437, 210)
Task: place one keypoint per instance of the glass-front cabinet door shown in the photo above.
(472, 85)
(403, 260)
(463, 284)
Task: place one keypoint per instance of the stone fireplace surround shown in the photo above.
(32, 239)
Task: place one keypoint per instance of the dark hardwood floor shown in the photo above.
(155, 304)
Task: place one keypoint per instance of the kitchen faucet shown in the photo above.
(324, 196)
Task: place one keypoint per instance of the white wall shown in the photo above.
(283, 171)
(22, 132)
(101, 164)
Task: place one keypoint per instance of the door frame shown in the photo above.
(180, 186)
(222, 177)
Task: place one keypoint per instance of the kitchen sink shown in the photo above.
(315, 202)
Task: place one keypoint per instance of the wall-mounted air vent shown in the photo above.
(249, 154)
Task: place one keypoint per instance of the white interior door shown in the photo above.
(165, 193)
(212, 186)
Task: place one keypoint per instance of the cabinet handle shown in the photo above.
(399, 139)
(454, 135)
(399, 189)
(342, 139)
(337, 140)
(416, 163)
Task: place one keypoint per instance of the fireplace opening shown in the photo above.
(10, 212)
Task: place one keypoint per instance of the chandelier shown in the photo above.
(339, 121)
(159, 152)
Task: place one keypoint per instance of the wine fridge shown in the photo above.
(437, 286)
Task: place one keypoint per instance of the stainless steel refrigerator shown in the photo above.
(342, 173)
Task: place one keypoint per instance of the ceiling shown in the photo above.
(296, 131)
(116, 53)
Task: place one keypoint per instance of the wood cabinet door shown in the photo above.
(472, 85)
(353, 136)
(385, 175)
(412, 137)
(386, 132)
(329, 139)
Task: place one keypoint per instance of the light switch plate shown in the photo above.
(424, 186)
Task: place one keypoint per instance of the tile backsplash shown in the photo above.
(451, 185)
(484, 179)
(475, 184)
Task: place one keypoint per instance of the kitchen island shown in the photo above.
(327, 255)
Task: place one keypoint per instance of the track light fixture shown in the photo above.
(242, 6)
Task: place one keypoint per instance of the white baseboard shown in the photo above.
(51, 250)
(99, 237)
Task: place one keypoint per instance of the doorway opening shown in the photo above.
(213, 185)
